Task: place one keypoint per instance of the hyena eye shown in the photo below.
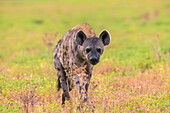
(88, 50)
(99, 50)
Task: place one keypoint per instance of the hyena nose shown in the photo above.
(94, 60)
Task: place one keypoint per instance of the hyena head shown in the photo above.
(93, 47)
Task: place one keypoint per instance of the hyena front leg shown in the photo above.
(80, 83)
(62, 81)
(89, 69)
(65, 88)
(84, 84)
(83, 92)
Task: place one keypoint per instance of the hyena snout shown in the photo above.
(94, 60)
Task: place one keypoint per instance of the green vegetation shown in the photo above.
(132, 76)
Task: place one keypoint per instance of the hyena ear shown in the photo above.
(80, 37)
(105, 37)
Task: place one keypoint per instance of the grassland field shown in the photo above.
(133, 75)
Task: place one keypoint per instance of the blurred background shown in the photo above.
(140, 45)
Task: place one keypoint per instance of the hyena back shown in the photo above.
(79, 47)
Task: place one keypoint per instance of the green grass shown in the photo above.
(139, 47)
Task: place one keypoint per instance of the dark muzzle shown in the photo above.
(94, 60)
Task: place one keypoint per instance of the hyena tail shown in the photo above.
(58, 84)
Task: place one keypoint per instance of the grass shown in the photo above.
(132, 76)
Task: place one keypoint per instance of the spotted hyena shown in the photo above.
(79, 47)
